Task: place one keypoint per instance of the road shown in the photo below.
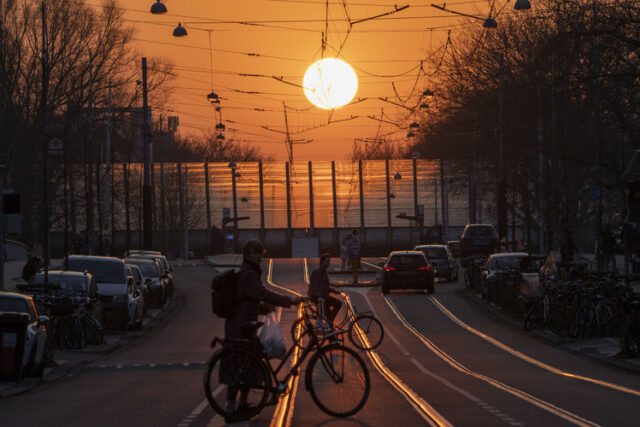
(443, 361)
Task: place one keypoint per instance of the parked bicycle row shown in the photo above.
(570, 301)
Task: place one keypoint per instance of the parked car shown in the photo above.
(20, 308)
(497, 265)
(165, 268)
(454, 247)
(121, 302)
(407, 270)
(64, 282)
(141, 285)
(152, 277)
(441, 260)
(478, 239)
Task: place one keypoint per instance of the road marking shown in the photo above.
(526, 358)
(152, 365)
(426, 411)
(185, 364)
(283, 413)
(119, 367)
(562, 413)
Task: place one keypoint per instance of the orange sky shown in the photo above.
(382, 51)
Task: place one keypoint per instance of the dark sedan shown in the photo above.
(407, 270)
(478, 239)
(441, 260)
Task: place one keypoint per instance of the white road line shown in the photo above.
(540, 403)
(465, 393)
(185, 364)
(387, 332)
(119, 367)
(152, 365)
(524, 357)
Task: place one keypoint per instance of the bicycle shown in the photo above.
(364, 330)
(238, 378)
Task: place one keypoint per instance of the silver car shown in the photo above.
(121, 301)
(19, 309)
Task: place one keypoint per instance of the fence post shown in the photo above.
(181, 206)
(311, 219)
(235, 210)
(208, 202)
(163, 221)
(262, 233)
(386, 168)
(185, 213)
(335, 203)
(125, 172)
(288, 204)
(361, 199)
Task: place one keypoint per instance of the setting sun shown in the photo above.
(330, 83)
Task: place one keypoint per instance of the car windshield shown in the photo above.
(15, 305)
(454, 245)
(507, 262)
(435, 253)
(481, 231)
(148, 269)
(164, 262)
(105, 272)
(407, 261)
(66, 282)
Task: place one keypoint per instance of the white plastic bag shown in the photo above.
(270, 336)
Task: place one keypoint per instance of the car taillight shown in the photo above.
(425, 268)
(389, 268)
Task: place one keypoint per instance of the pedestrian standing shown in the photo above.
(608, 249)
(354, 254)
(33, 264)
(319, 289)
(344, 253)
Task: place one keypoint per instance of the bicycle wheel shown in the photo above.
(366, 332)
(338, 380)
(236, 383)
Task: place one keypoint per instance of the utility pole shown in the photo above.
(44, 131)
(2, 168)
(502, 184)
(90, 156)
(107, 173)
(146, 187)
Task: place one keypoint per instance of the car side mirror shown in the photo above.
(42, 320)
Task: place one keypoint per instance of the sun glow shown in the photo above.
(330, 83)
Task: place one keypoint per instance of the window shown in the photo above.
(481, 231)
(13, 305)
(148, 269)
(435, 253)
(407, 261)
(105, 272)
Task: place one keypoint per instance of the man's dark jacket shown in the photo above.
(318, 284)
(250, 292)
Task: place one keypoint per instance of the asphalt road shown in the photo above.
(443, 361)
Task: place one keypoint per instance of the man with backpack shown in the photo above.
(247, 302)
(251, 293)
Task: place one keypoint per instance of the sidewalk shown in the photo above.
(604, 350)
(68, 362)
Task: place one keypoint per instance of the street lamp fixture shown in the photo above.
(410, 134)
(416, 155)
(220, 137)
(490, 23)
(231, 164)
(397, 176)
(244, 199)
(522, 5)
(158, 7)
(414, 125)
(428, 93)
(220, 126)
(212, 97)
(179, 31)
(424, 106)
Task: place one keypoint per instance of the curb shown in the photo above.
(588, 352)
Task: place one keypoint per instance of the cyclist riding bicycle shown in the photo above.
(250, 294)
(319, 289)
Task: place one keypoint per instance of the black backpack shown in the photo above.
(223, 294)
